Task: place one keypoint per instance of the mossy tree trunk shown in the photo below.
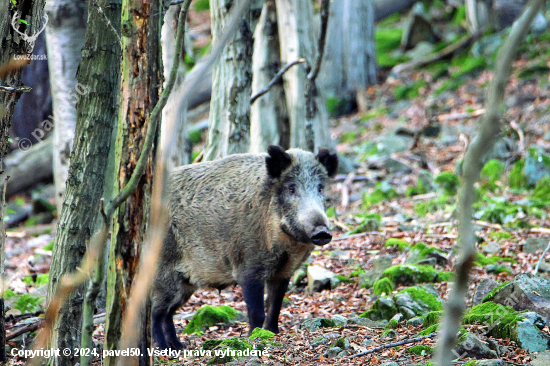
(140, 91)
(229, 130)
(96, 113)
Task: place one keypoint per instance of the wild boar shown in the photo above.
(249, 219)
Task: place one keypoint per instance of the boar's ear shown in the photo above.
(277, 161)
(329, 161)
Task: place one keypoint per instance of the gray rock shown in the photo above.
(409, 307)
(418, 29)
(254, 362)
(487, 46)
(367, 343)
(391, 363)
(416, 321)
(495, 346)
(539, 25)
(318, 341)
(532, 244)
(380, 264)
(390, 144)
(421, 50)
(340, 321)
(529, 337)
(526, 292)
(534, 169)
(483, 289)
(343, 354)
(313, 324)
(473, 347)
(389, 165)
(332, 352)
(541, 359)
(319, 279)
(491, 363)
(356, 320)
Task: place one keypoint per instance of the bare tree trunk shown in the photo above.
(140, 92)
(349, 63)
(96, 114)
(477, 14)
(65, 38)
(269, 123)
(229, 130)
(295, 20)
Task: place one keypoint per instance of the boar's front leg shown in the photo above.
(276, 288)
(253, 293)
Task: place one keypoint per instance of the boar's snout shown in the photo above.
(321, 236)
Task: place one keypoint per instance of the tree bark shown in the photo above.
(269, 123)
(229, 131)
(99, 72)
(65, 38)
(295, 19)
(140, 91)
(349, 63)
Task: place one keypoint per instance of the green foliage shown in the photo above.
(381, 192)
(9, 293)
(208, 316)
(41, 279)
(468, 66)
(447, 181)
(261, 333)
(542, 190)
(392, 324)
(357, 272)
(210, 344)
(438, 203)
(517, 179)
(386, 41)
(416, 190)
(492, 170)
(402, 244)
(373, 113)
(445, 276)
(432, 318)
(383, 285)
(202, 5)
(331, 212)
(421, 350)
(344, 279)
(49, 246)
(27, 303)
(429, 330)
(409, 91)
(195, 135)
(460, 15)
(370, 222)
(347, 137)
(499, 235)
(336, 106)
(407, 274)
(490, 296)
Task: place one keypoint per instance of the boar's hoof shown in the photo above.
(321, 238)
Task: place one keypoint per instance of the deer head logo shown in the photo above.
(31, 40)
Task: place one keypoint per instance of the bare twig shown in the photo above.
(489, 129)
(26, 329)
(159, 211)
(276, 78)
(325, 5)
(345, 189)
(391, 345)
(521, 142)
(22, 89)
(109, 24)
(453, 116)
(542, 257)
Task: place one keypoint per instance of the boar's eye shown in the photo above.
(320, 188)
(292, 189)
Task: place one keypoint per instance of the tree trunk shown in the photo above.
(99, 72)
(349, 63)
(268, 115)
(140, 91)
(65, 37)
(477, 14)
(295, 20)
(229, 131)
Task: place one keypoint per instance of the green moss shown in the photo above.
(210, 344)
(472, 64)
(261, 333)
(331, 212)
(386, 41)
(460, 15)
(429, 330)
(447, 276)
(373, 113)
(422, 295)
(448, 181)
(383, 285)
(432, 318)
(380, 193)
(392, 324)
(202, 5)
(344, 279)
(195, 136)
(488, 313)
(407, 274)
(518, 180)
(472, 363)
(409, 91)
(492, 170)
(49, 246)
(337, 107)
(482, 260)
(498, 235)
(542, 190)
(357, 272)
(491, 295)
(402, 244)
(371, 222)
(421, 350)
(236, 344)
(340, 342)
(208, 316)
(348, 137)
(496, 269)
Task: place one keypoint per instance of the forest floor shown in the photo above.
(402, 110)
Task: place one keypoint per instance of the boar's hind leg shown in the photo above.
(276, 288)
(166, 304)
(253, 293)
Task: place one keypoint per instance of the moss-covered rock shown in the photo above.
(262, 334)
(432, 318)
(420, 251)
(407, 274)
(233, 348)
(383, 286)
(208, 316)
(400, 243)
(315, 323)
